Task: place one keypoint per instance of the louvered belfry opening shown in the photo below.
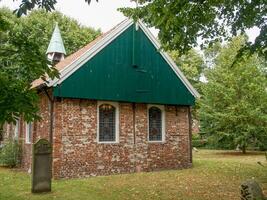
(155, 124)
(107, 115)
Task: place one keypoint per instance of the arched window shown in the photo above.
(156, 128)
(107, 120)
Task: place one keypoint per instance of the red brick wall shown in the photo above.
(175, 152)
(40, 130)
(77, 153)
(8, 132)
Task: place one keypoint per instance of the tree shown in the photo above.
(40, 24)
(233, 108)
(23, 43)
(182, 22)
(191, 64)
(27, 5)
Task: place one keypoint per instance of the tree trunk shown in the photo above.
(244, 149)
(1, 132)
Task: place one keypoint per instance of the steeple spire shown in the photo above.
(56, 50)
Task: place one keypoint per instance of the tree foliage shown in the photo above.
(10, 154)
(27, 5)
(23, 43)
(191, 64)
(233, 108)
(182, 22)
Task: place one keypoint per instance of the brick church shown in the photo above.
(120, 105)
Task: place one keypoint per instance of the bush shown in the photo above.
(214, 142)
(263, 144)
(10, 154)
(196, 137)
(199, 143)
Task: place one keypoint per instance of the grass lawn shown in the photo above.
(216, 175)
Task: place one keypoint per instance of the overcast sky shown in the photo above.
(103, 15)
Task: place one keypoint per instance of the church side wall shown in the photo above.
(78, 154)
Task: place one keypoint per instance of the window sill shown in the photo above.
(157, 142)
(108, 142)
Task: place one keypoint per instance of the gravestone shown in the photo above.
(41, 166)
(250, 190)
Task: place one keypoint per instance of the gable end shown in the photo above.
(126, 65)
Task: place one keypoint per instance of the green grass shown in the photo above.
(216, 175)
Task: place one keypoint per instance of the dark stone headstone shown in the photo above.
(250, 190)
(41, 166)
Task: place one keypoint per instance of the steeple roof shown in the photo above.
(56, 44)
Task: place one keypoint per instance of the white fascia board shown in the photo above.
(168, 59)
(90, 53)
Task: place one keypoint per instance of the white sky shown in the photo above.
(102, 15)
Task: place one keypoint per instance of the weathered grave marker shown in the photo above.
(41, 166)
(250, 190)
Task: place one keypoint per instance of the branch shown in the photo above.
(28, 5)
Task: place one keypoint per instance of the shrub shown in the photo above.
(214, 142)
(196, 137)
(199, 143)
(10, 154)
(263, 144)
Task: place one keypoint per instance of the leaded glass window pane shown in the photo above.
(107, 117)
(155, 124)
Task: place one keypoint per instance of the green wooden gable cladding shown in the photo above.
(129, 69)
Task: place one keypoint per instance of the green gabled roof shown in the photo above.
(56, 43)
(127, 65)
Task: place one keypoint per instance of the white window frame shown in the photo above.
(117, 121)
(27, 136)
(163, 133)
(16, 130)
